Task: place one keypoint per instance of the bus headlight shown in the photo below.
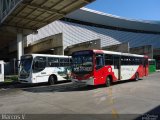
(91, 78)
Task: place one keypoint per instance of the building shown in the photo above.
(85, 25)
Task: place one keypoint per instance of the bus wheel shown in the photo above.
(108, 81)
(51, 80)
(136, 76)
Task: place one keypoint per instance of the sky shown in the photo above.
(131, 9)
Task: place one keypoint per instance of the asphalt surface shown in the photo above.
(123, 98)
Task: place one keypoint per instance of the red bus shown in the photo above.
(95, 67)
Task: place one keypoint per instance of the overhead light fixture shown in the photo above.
(35, 32)
(52, 49)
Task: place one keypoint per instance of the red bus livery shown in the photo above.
(95, 67)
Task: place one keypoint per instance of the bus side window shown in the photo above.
(116, 62)
(53, 62)
(123, 60)
(138, 61)
(70, 61)
(39, 64)
(64, 62)
(61, 62)
(99, 61)
(152, 62)
(108, 59)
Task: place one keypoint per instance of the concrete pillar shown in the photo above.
(58, 51)
(20, 49)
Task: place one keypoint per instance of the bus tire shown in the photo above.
(108, 81)
(52, 80)
(136, 76)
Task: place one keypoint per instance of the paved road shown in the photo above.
(130, 97)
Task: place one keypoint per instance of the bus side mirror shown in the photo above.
(18, 63)
(18, 66)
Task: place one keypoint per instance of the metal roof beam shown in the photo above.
(28, 19)
(20, 27)
(44, 8)
(68, 5)
(56, 3)
(37, 17)
(35, 9)
(86, 1)
(29, 13)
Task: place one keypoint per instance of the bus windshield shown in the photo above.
(82, 64)
(25, 66)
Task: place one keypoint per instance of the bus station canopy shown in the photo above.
(34, 14)
(30, 15)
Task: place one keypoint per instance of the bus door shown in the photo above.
(39, 66)
(117, 67)
(99, 74)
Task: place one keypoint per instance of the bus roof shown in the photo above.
(118, 53)
(47, 55)
(151, 59)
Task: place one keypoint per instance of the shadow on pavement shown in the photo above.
(68, 87)
(8, 85)
(62, 86)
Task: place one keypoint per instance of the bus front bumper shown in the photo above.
(89, 81)
(25, 80)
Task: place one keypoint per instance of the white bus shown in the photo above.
(37, 68)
